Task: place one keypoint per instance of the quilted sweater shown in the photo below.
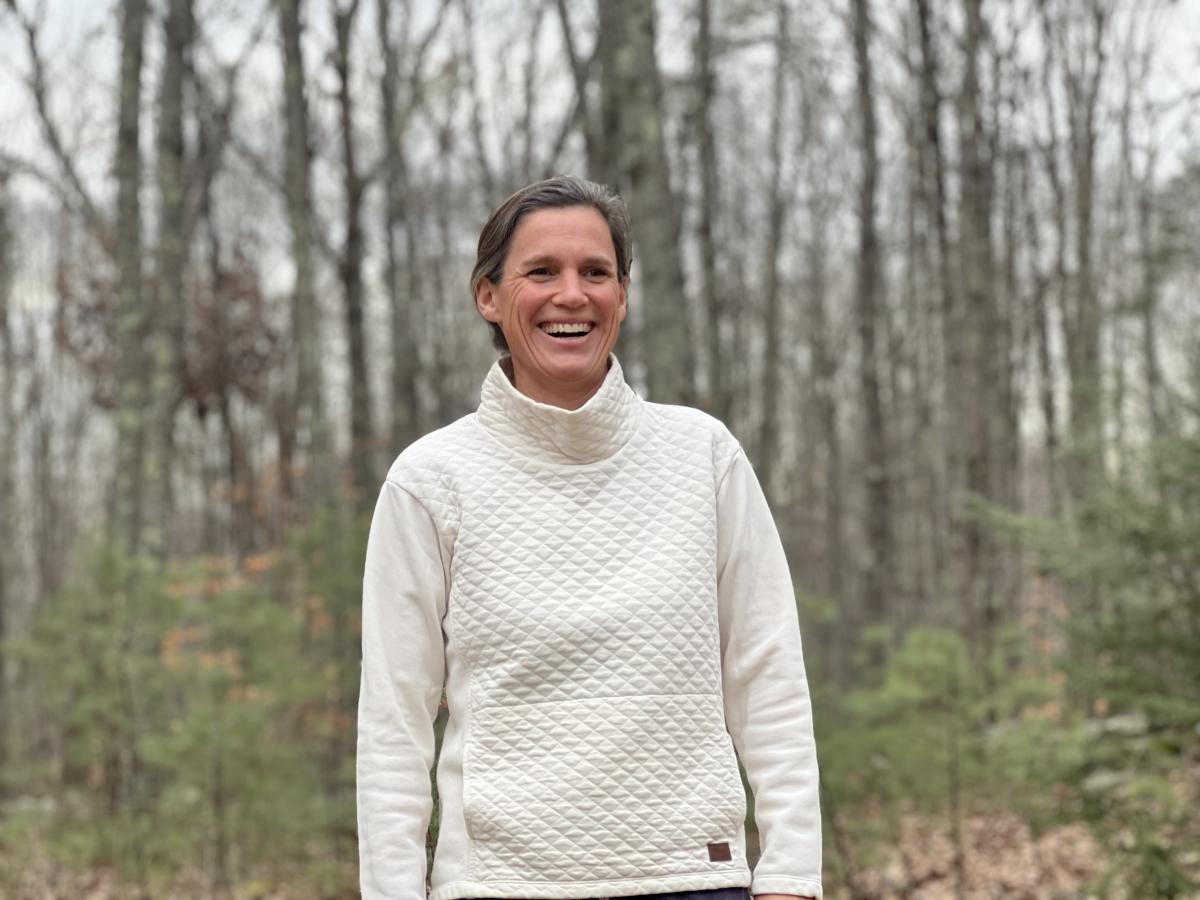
(603, 596)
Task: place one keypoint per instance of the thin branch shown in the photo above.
(222, 114)
(78, 194)
(416, 96)
(481, 155)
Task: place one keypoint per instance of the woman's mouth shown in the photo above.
(567, 333)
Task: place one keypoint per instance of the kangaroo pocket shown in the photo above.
(601, 788)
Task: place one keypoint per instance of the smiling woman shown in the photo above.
(552, 279)
(597, 583)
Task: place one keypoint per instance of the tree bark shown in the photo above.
(768, 437)
(980, 335)
(126, 789)
(354, 184)
(1040, 336)
(1082, 62)
(1056, 438)
(945, 473)
(877, 579)
(632, 157)
(170, 304)
(301, 414)
(1160, 423)
(720, 398)
(400, 94)
(8, 462)
(477, 129)
(404, 421)
(825, 372)
(127, 510)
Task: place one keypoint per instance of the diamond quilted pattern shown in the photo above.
(583, 612)
(604, 423)
(608, 787)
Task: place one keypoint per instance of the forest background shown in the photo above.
(934, 262)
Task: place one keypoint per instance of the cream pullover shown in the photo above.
(603, 594)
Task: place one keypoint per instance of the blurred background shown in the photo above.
(936, 263)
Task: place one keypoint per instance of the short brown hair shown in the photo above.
(551, 193)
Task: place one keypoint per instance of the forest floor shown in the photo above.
(1002, 859)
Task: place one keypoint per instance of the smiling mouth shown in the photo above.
(566, 332)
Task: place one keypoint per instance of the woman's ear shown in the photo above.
(485, 300)
(623, 305)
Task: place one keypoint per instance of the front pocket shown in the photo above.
(602, 788)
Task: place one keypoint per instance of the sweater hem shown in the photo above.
(613, 887)
(785, 884)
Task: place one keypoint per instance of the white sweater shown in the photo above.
(604, 595)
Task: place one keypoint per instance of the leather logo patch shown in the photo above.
(719, 852)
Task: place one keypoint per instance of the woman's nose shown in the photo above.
(571, 288)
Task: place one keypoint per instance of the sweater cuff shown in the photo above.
(785, 884)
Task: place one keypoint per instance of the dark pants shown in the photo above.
(729, 893)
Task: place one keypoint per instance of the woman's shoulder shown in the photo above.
(691, 426)
(427, 463)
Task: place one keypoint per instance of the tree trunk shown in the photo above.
(632, 157)
(477, 130)
(1050, 155)
(127, 511)
(768, 437)
(404, 425)
(303, 412)
(8, 462)
(167, 334)
(1082, 61)
(1040, 336)
(825, 371)
(362, 433)
(126, 790)
(979, 336)
(720, 398)
(945, 474)
(241, 482)
(877, 579)
(1148, 309)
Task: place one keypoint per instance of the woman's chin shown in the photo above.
(569, 356)
(566, 366)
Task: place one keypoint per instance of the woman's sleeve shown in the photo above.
(405, 587)
(767, 707)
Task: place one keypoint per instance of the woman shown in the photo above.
(598, 583)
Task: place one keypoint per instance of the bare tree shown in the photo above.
(401, 94)
(8, 459)
(1076, 41)
(1040, 331)
(169, 300)
(302, 406)
(978, 335)
(125, 778)
(777, 206)
(877, 578)
(350, 263)
(720, 398)
(629, 152)
(949, 374)
(127, 508)
(820, 204)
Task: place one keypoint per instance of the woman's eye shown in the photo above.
(597, 273)
(539, 272)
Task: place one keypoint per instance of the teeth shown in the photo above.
(565, 328)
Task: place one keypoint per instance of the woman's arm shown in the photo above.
(405, 586)
(767, 707)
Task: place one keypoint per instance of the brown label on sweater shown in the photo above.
(719, 852)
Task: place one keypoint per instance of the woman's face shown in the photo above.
(561, 268)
